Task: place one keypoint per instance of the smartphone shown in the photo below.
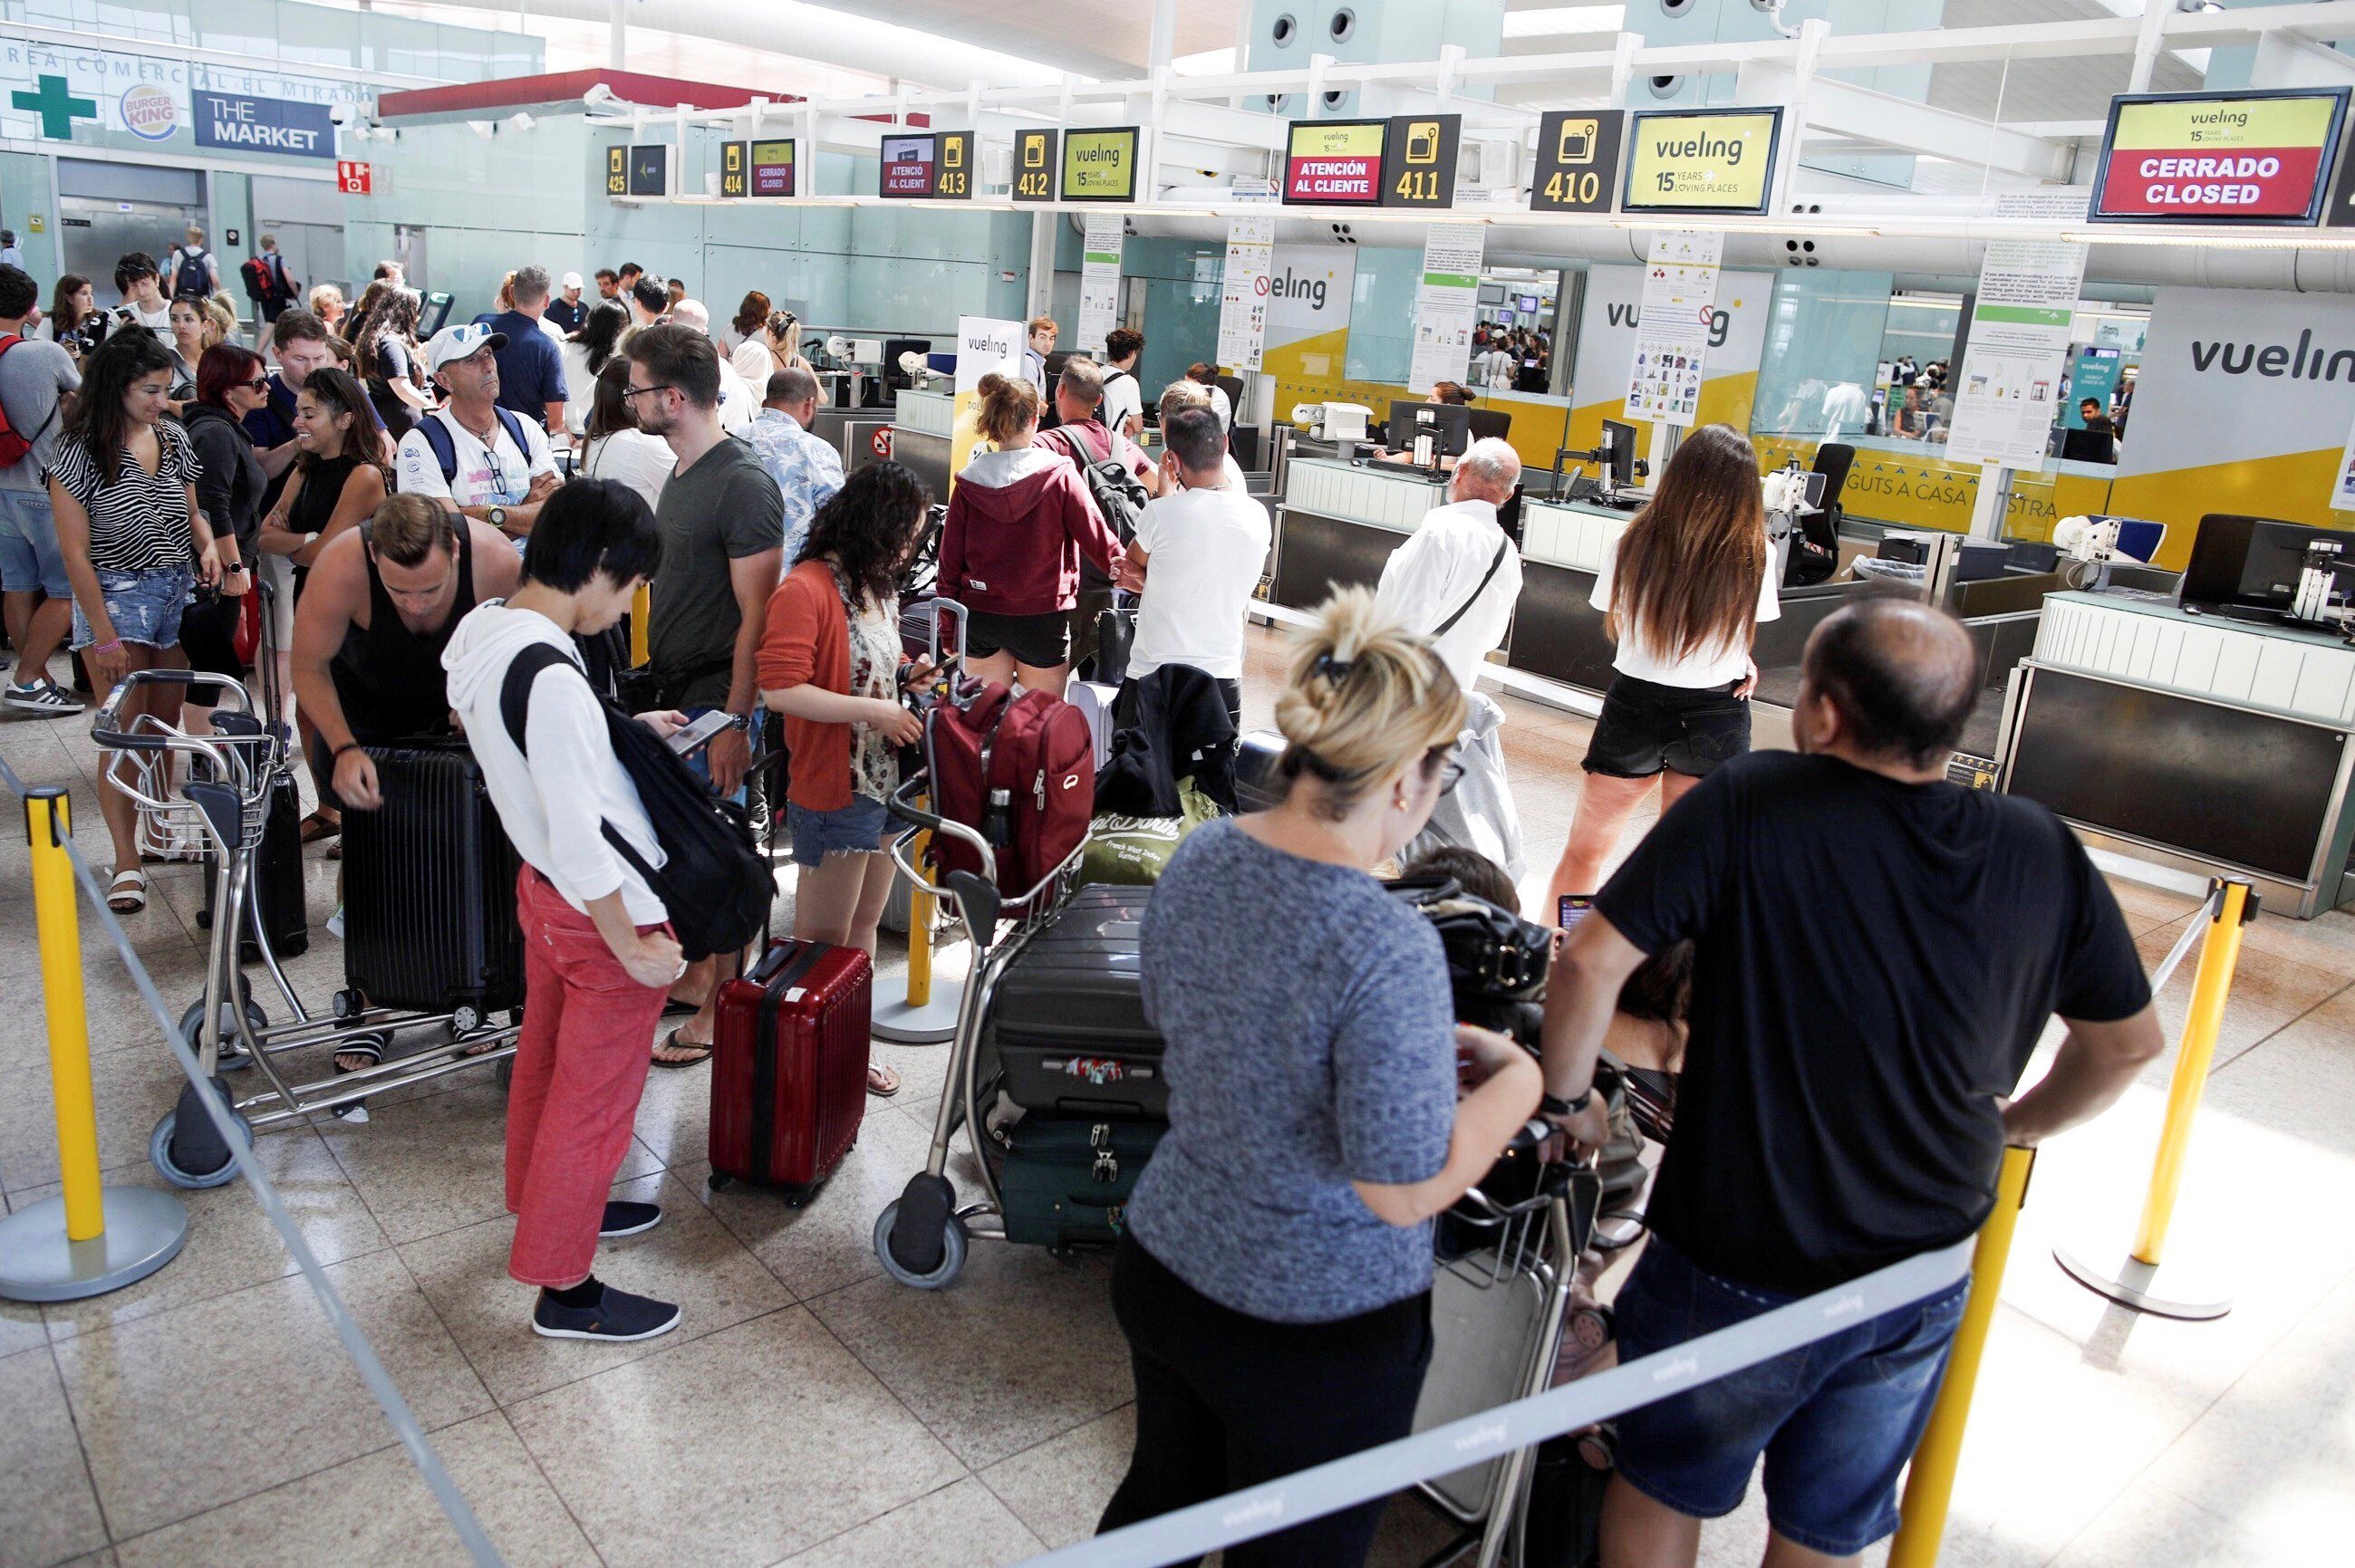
(700, 731)
(1573, 909)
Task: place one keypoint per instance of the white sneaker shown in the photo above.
(42, 697)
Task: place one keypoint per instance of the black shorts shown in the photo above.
(1041, 642)
(1646, 727)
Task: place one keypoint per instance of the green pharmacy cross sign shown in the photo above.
(58, 108)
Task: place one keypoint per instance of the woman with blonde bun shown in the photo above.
(1274, 1277)
(1019, 519)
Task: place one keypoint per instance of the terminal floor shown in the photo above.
(810, 1412)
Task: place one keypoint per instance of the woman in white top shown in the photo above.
(750, 356)
(586, 353)
(1682, 595)
(616, 448)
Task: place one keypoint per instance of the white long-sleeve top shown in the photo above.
(555, 803)
(1431, 575)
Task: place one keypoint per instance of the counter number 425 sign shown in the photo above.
(353, 178)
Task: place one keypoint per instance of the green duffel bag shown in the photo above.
(1131, 852)
(1067, 1179)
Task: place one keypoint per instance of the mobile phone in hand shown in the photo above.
(699, 732)
(1573, 909)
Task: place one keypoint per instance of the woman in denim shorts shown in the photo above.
(135, 545)
(830, 663)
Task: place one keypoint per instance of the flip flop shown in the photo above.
(887, 1077)
(671, 1042)
(127, 893)
(316, 827)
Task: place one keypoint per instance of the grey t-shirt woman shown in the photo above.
(1311, 1043)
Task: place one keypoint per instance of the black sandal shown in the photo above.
(671, 1042)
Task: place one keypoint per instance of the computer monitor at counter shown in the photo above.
(1616, 452)
(1450, 424)
(2248, 567)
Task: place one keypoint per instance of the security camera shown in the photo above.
(341, 114)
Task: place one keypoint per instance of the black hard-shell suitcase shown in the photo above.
(277, 878)
(1258, 785)
(1068, 1016)
(1067, 1180)
(429, 887)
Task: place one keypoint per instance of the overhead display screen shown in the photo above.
(2236, 157)
(1334, 162)
(772, 168)
(733, 179)
(1100, 164)
(1718, 160)
(1034, 165)
(909, 165)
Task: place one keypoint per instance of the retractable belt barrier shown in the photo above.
(233, 1131)
(1255, 1511)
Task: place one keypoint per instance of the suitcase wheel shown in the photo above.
(718, 1180)
(198, 1157)
(952, 1242)
(232, 1054)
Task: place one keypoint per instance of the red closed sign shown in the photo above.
(2219, 158)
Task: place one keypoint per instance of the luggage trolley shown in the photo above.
(223, 803)
(921, 1237)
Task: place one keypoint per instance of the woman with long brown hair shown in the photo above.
(1682, 596)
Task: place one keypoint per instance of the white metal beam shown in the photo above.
(1905, 125)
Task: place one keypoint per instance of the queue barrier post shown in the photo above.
(920, 1019)
(91, 1239)
(1929, 1481)
(2136, 1281)
(642, 611)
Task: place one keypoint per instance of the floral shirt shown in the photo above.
(806, 470)
(874, 673)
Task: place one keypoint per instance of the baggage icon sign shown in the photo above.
(1422, 142)
(1577, 142)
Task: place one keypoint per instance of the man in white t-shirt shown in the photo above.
(1458, 577)
(1196, 558)
(1124, 397)
(144, 303)
(478, 459)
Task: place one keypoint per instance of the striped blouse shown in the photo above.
(138, 521)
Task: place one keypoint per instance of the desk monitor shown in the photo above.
(1453, 424)
(1490, 424)
(893, 347)
(435, 312)
(2089, 446)
(2247, 563)
(1618, 447)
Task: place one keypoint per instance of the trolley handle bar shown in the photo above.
(107, 729)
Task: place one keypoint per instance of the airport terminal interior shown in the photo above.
(2028, 331)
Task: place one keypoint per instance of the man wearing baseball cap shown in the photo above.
(481, 460)
(568, 310)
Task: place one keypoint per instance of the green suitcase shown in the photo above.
(1066, 1179)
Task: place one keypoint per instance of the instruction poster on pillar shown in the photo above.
(1673, 331)
(1099, 281)
(1243, 290)
(1447, 303)
(2018, 352)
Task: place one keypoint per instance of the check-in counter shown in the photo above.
(923, 426)
(2212, 744)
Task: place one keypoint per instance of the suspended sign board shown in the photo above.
(1577, 161)
(773, 169)
(909, 163)
(1100, 164)
(1715, 160)
(650, 171)
(1407, 161)
(1034, 165)
(2218, 157)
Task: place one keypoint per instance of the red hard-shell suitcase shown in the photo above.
(789, 1067)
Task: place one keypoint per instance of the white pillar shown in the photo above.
(1041, 295)
(1164, 36)
(2146, 42)
(617, 40)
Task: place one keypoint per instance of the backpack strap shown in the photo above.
(512, 422)
(1504, 543)
(515, 700)
(444, 450)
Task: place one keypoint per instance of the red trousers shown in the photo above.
(580, 1067)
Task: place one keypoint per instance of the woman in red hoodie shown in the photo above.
(1019, 519)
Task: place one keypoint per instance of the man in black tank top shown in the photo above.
(377, 612)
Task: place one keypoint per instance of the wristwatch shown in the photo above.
(1554, 1104)
(498, 518)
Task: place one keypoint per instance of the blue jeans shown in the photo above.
(144, 606)
(1836, 1419)
(29, 556)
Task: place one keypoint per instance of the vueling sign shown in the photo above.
(2305, 363)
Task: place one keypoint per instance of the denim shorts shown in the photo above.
(144, 606)
(856, 829)
(1645, 727)
(29, 556)
(1836, 1420)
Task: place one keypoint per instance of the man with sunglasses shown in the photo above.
(479, 460)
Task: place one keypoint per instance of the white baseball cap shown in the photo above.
(571, 280)
(453, 343)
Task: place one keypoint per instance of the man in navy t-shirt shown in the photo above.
(532, 367)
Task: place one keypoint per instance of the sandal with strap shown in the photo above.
(671, 1042)
(127, 893)
(316, 827)
(882, 1081)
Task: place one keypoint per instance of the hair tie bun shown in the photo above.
(1332, 669)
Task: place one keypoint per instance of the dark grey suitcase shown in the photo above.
(1068, 1017)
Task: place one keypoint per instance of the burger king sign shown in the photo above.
(149, 113)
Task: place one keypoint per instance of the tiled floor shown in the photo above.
(811, 1413)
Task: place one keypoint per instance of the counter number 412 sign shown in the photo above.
(353, 178)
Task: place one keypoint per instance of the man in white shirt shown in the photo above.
(194, 272)
(495, 466)
(142, 295)
(1043, 333)
(1456, 578)
(738, 402)
(1124, 397)
(1196, 559)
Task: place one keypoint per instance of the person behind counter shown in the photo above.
(1273, 1280)
(1446, 393)
(1681, 596)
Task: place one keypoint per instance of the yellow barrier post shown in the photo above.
(1929, 1481)
(641, 612)
(2135, 1282)
(89, 1239)
(920, 1019)
(920, 932)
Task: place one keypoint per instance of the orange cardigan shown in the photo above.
(808, 643)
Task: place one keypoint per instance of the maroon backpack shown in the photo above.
(1021, 771)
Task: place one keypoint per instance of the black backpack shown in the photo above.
(713, 881)
(1118, 494)
(192, 278)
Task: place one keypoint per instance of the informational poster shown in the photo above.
(2092, 373)
(2232, 157)
(1099, 281)
(1334, 162)
(1577, 161)
(1446, 304)
(2342, 492)
(1243, 292)
(1672, 334)
(1034, 163)
(2018, 352)
(1716, 160)
(1310, 292)
(1100, 164)
(984, 345)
